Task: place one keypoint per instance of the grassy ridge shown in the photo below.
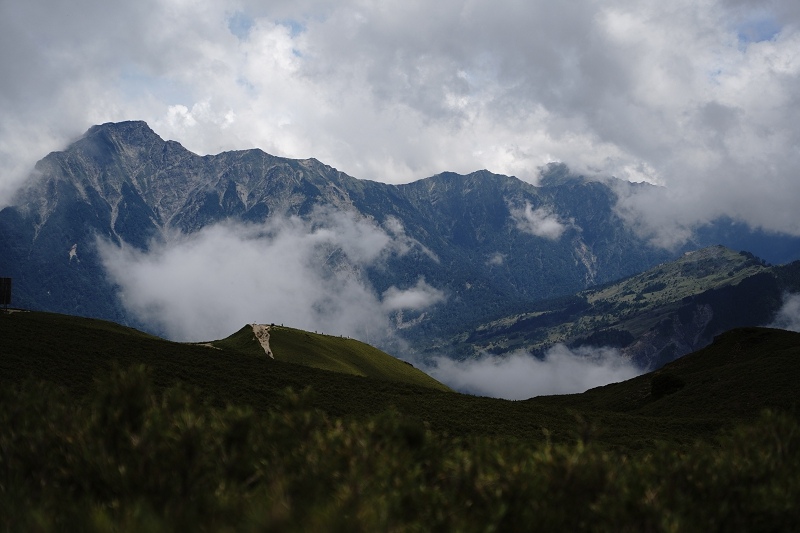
(632, 307)
(243, 341)
(348, 356)
(691, 274)
(328, 352)
(71, 352)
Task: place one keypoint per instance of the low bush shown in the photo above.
(665, 383)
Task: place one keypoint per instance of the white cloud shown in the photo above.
(698, 96)
(416, 298)
(519, 375)
(402, 243)
(497, 259)
(540, 222)
(788, 317)
(307, 274)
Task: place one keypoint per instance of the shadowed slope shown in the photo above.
(742, 372)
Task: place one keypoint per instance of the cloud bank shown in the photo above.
(540, 222)
(788, 316)
(307, 274)
(519, 375)
(419, 297)
(701, 97)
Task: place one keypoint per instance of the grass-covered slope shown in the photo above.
(693, 273)
(72, 352)
(349, 356)
(130, 457)
(741, 373)
(331, 353)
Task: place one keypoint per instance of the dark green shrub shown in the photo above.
(664, 384)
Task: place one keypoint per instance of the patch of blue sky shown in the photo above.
(240, 24)
(763, 27)
(295, 27)
(715, 75)
(247, 85)
(135, 82)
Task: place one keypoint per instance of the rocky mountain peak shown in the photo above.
(131, 129)
(122, 139)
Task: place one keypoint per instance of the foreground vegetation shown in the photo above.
(130, 458)
(104, 428)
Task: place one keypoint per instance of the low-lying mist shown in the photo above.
(519, 375)
(307, 274)
(788, 316)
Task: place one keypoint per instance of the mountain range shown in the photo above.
(653, 317)
(487, 245)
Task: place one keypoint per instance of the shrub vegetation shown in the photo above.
(103, 428)
(130, 458)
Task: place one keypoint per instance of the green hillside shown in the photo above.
(328, 352)
(743, 372)
(695, 272)
(72, 350)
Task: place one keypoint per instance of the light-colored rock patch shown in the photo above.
(261, 332)
(205, 345)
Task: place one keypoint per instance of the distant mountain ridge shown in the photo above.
(654, 317)
(491, 243)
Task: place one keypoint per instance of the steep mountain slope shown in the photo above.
(491, 245)
(477, 237)
(653, 317)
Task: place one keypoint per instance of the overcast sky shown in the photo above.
(699, 95)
